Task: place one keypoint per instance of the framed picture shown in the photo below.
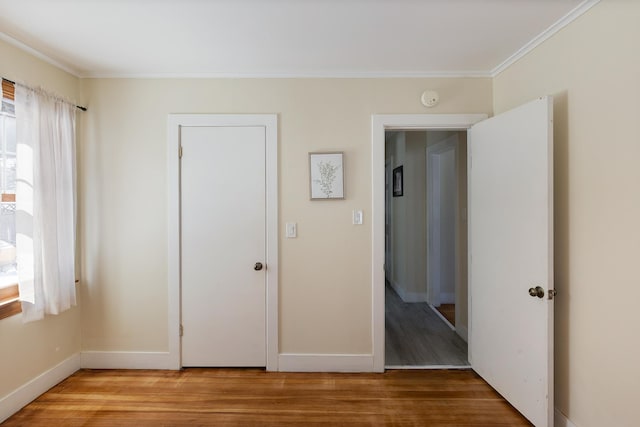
(326, 176)
(397, 182)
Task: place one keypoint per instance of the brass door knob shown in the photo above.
(258, 266)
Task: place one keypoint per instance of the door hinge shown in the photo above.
(180, 152)
(181, 330)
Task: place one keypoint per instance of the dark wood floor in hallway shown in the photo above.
(248, 397)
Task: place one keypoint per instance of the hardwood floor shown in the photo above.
(416, 336)
(246, 397)
(449, 312)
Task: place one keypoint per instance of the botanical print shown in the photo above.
(326, 175)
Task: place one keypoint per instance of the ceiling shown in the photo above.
(282, 38)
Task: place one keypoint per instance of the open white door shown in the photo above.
(511, 251)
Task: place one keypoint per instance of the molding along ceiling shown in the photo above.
(284, 38)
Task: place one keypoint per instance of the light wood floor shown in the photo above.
(416, 336)
(251, 397)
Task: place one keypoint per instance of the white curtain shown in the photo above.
(45, 203)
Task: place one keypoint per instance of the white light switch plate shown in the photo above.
(357, 217)
(292, 230)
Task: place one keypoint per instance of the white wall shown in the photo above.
(396, 148)
(462, 296)
(409, 226)
(415, 195)
(325, 274)
(28, 350)
(592, 68)
(447, 226)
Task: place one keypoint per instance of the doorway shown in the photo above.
(510, 247)
(380, 125)
(425, 240)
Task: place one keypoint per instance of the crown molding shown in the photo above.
(535, 42)
(546, 34)
(31, 51)
(292, 75)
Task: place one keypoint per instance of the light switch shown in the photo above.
(292, 230)
(357, 217)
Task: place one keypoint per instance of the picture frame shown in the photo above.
(326, 175)
(398, 182)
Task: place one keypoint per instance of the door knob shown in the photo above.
(258, 266)
(536, 292)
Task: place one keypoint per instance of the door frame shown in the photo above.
(270, 123)
(379, 124)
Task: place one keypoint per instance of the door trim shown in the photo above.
(270, 123)
(379, 124)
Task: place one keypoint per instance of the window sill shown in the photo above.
(9, 302)
(11, 308)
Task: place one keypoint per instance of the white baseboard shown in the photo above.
(126, 360)
(27, 393)
(288, 362)
(561, 421)
(447, 298)
(407, 296)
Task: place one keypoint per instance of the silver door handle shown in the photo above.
(536, 292)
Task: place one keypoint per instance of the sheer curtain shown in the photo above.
(45, 203)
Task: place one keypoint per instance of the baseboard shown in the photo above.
(27, 393)
(406, 296)
(447, 298)
(288, 362)
(560, 420)
(126, 360)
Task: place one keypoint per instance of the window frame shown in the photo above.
(10, 304)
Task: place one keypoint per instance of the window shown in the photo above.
(46, 125)
(9, 304)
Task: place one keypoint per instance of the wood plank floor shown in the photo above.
(247, 397)
(416, 336)
(449, 312)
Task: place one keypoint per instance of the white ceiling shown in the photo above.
(244, 38)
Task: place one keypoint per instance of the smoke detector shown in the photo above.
(430, 98)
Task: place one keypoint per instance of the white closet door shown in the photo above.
(223, 238)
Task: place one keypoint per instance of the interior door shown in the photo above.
(511, 251)
(222, 187)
